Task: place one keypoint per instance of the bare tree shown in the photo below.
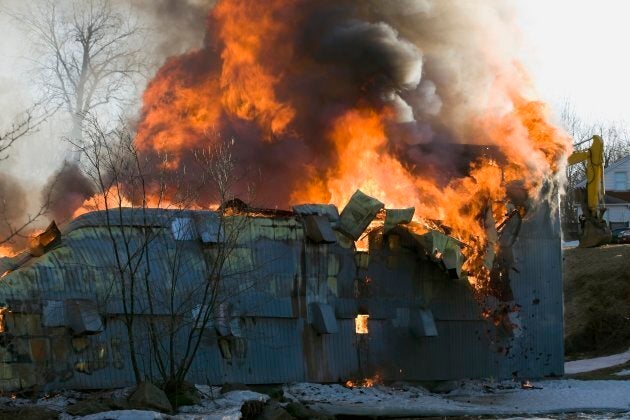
(13, 225)
(170, 295)
(120, 180)
(89, 54)
(195, 310)
(578, 131)
(617, 140)
(22, 125)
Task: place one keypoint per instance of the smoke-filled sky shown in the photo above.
(575, 52)
(573, 49)
(330, 96)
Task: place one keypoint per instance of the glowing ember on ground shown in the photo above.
(365, 383)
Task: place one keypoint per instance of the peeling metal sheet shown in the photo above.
(444, 249)
(82, 316)
(318, 229)
(421, 323)
(328, 210)
(323, 318)
(53, 313)
(183, 229)
(45, 240)
(209, 228)
(358, 213)
(394, 217)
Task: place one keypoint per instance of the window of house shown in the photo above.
(621, 181)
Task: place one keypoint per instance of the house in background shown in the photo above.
(617, 198)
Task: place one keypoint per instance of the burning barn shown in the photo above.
(304, 295)
(414, 115)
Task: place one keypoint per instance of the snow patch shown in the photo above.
(588, 365)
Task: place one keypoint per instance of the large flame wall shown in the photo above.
(323, 98)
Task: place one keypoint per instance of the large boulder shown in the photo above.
(182, 394)
(149, 396)
(274, 411)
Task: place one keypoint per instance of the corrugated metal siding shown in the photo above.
(538, 289)
(274, 355)
(272, 277)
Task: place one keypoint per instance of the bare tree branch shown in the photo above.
(23, 125)
(86, 52)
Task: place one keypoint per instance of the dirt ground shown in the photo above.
(596, 300)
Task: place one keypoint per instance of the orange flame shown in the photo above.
(239, 82)
(361, 324)
(7, 251)
(365, 382)
(248, 79)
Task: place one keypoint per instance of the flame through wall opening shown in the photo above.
(361, 324)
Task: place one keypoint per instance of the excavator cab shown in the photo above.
(594, 229)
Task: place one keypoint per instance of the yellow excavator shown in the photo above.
(594, 229)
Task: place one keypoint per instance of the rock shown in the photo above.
(441, 387)
(27, 413)
(149, 396)
(234, 387)
(274, 411)
(182, 394)
(274, 392)
(299, 411)
(252, 409)
(85, 407)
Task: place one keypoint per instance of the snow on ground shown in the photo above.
(225, 407)
(472, 398)
(213, 406)
(468, 397)
(125, 415)
(588, 365)
(570, 244)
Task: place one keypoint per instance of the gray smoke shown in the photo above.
(13, 205)
(175, 26)
(432, 63)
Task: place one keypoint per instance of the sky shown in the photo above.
(577, 51)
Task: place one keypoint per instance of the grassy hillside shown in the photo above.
(596, 300)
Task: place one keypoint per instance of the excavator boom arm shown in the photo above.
(595, 231)
(594, 158)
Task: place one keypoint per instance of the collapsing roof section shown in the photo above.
(361, 213)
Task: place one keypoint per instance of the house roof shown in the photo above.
(617, 197)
